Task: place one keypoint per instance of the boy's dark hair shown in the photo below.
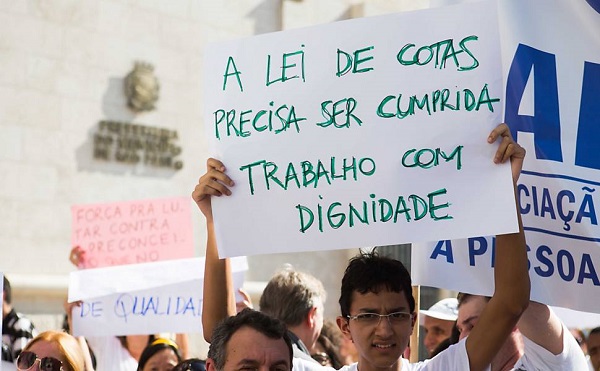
(370, 272)
(266, 325)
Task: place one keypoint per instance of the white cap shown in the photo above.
(445, 309)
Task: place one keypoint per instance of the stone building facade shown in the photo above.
(62, 71)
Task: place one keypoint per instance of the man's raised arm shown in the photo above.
(219, 297)
(511, 276)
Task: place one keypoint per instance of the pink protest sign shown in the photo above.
(133, 231)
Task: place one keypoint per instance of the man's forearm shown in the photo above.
(511, 276)
(218, 296)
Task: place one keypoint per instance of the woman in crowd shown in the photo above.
(54, 351)
(113, 353)
(161, 355)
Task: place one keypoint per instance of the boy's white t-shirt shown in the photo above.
(535, 358)
(453, 358)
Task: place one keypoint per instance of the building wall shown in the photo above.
(62, 65)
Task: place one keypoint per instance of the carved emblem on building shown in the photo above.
(141, 88)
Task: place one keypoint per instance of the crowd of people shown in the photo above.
(378, 314)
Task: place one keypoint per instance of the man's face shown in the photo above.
(379, 344)
(468, 314)
(593, 344)
(250, 349)
(436, 330)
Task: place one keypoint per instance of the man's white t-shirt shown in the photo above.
(535, 358)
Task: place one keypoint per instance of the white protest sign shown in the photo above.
(359, 133)
(142, 299)
(94, 283)
(467, 265)
(553, 84)
(174, 308)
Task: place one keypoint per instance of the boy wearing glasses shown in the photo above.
(378, 310)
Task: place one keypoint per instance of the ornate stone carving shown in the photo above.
(141, 88)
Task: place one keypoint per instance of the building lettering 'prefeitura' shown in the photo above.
(81, 123)
(133, 144)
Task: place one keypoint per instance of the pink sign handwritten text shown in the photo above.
(133, 231)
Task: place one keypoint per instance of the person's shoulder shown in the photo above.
(11, 316)
(455, 357)
(570, 359)
(299, 353)
(23, 320)
(19, 323)
(407, 366)
(302, 364)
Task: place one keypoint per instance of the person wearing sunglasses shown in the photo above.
(52, 351)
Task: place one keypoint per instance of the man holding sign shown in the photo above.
(540, 340)
(381, 341)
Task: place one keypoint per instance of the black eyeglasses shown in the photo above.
(27, 360)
